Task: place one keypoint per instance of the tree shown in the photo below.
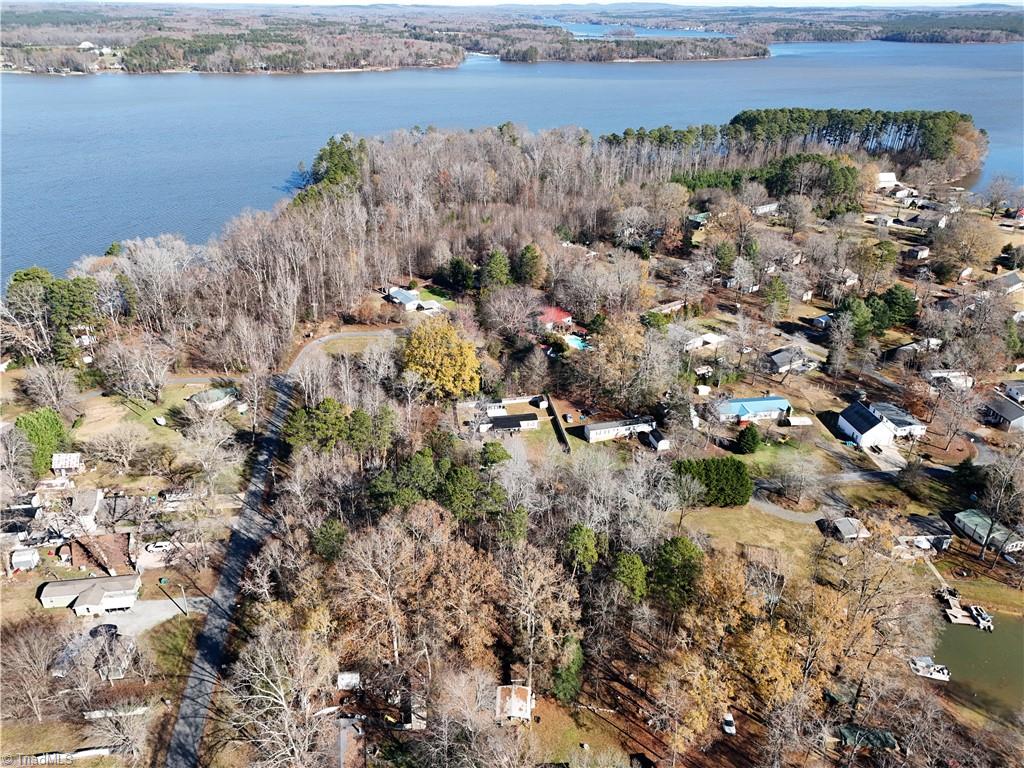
(902, 304)
(749, 439)
(121, 446)
(841, 336)
(631, 573)
(568, 676)
(776, 296)
(49, 386)
(726, 480)
(137, 371)
(675, 570)
(581, 548)
(996, 195)
(449, 363)
(797, 212)
(45, 432)
(496, 270)
(460, 274)
(30, 646)
(541, 604)
(493, 453)
(125, 729)
(530, 267)
(329, 539)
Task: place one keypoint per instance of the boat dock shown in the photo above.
(957, 614)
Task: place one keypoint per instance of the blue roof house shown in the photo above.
(744, 409)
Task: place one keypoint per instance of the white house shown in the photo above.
(919, 252)
(767, 208)
(902, 423)
(409, 300)
(514, 423)
(705, 341)
(610, 430)
(90, 597)
(1015, 391)
(1006, 284)
(978, 527)
(85, 45)
(951, 379)
(864, 427)
(887, 180)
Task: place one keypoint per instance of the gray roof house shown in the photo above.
(1011, 282)
(1005, 412)
(88, 597)
(902, 423)
(865, 427)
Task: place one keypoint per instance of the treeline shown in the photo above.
(617, 50)
(273, 51)
(908, 137)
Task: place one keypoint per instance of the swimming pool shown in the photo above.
(575, 341)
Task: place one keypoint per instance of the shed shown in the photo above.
(822, 321)
(850, 529)
(513, 702)
(1015, 391)
(865, 427)
(656, 440)
(919, 252)
(67, 464)
(24, 559)
(887, 180)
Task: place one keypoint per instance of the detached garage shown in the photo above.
(864, 427)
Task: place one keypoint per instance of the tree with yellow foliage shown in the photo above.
(447, 362)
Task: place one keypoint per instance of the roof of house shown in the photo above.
(745, 406)
(853, 735)
(91, 590)
(66, 461)
(978, 520)
(785, 355)
(554, 315)
(1009, 280)
(403, 296)
(895, 415)
(514, 421)
(622, 423)
(860, 417)
(926, 525)
(1016, 384)
(1004, 407)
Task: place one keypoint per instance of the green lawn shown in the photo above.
(174, 399)
(173, 645)
(437, 294)
(560, 733)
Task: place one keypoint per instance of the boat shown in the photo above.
(925, 667)
(981, 617)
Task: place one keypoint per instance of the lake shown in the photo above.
(579, 29)
(89, 160)
(987, 670)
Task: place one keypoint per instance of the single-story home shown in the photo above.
(698, 220)
(978, 526)
(610, 430)
(917, 530)
(656, 440)
(925, 221)
(901, 422)
(865, 427)
(850, 529)
(845, 277)
(744, 409)
(1006, 284)
(1006, 413)
(89, 597)
(409, 301)
(512, 423)
(707, 340)
(1015, 391)
(956, 304)
(513, 702)
(24, 559)
(946, 378)
(919, 252)
(822, 321)
(67, 464)
(787, 358)
(887, 180)
(554, 317)
(917, 347)
(767, 208)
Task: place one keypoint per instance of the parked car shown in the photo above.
(729, 724)
(159, 546)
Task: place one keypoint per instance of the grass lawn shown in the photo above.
(560, 733)
(174, 398)
(173, 644)
(745, 525)
(18, 593)
(29, 737)
(439, 295)
(930, 497)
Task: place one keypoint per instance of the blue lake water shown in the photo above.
(89, 160)
(602, 30)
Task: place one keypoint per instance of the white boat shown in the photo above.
(925, 667)
(981, 616)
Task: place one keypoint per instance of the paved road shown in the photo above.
(249, 533)
(251, 529)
